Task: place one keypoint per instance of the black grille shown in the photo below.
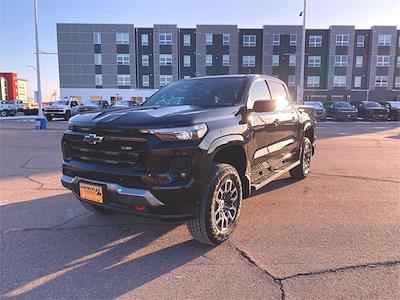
(118, 151)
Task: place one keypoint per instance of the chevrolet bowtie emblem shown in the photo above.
(93, 139)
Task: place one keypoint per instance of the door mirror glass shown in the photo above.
(264, 105)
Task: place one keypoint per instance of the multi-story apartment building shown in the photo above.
(114, 61)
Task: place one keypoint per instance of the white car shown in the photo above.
(61, 109)
(7, 108)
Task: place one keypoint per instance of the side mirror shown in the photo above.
(264, 105)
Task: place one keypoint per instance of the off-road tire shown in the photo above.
(96, 209)
(203, 226)
(299, 172)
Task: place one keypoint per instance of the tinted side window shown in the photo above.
(258, 91)
(278, 90)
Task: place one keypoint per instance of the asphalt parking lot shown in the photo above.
(334, 235)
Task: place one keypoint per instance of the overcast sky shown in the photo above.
(17, 22)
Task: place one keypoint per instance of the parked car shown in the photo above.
(124, 104)
(191, 152)
(94, 105)
(7, 108)
(340, 110)
(61, 109)
(370, 110)
(394, 109)
(319, 110)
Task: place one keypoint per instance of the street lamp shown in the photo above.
(39, 88)
(300, 90)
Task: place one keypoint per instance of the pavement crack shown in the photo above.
(357, 177)
(345, 268)
(35, 181)
(278, 281)
(23, 166)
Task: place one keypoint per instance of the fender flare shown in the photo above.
(223, 141)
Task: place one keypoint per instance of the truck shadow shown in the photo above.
(90, 257)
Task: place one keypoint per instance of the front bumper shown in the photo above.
(123, 199)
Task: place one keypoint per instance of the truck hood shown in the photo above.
(154, 116)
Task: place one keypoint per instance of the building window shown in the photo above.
(397, 82)
(292, 80)
(249, 61)
(123, 80)
(292, 60)
(249, 40)
(276, 39)
(122, 37)
(357, 81)
(165, 79)
(97, 58)
(225, 60)
(275, 60)
(381, 81)
(293, 39)
(209, 39)
(186, 60)
(145, 60)
(209, 60)
(186, 40)
(360, 41)
(342, 40)
(165, 39)
(312, 81)
(398, 62)
(382, 60)
(384, 40)
(145, 80)
(315, 41)
(314, 61)
(98, 78)
(226, 39)
(123, 59)
(339, 81)
(359, 61)
(97, 37)
(165, 59)
(340, 60)
(145, 39)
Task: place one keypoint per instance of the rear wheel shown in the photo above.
(49, 118)
(302, 170)
(219, 207)
(4, 113)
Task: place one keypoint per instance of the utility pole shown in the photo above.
(300, 90)
(39, 88)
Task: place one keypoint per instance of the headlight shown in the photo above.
(190, 133)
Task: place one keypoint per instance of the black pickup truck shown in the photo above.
(191, 152)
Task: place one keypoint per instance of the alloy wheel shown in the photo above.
(226, 207)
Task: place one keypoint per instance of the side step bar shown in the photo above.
(262, 181)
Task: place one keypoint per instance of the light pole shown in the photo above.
(39, 88)
(300, 91)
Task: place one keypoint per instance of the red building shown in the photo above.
(12, 88)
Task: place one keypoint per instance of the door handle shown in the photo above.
(276, 122)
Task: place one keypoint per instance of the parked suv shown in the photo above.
(94, 105)
(191, 152)
(340, 110)
(370, 110)
(319, 110)
(61, 109)
(394, 109)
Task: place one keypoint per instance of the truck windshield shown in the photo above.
(205, 92)
(341, 105)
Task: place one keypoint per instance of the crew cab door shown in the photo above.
(270, 130)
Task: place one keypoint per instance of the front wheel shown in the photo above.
(302, 170)
(67, 115)
(4, 113)
(49, 118)
(219, 206)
